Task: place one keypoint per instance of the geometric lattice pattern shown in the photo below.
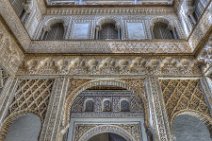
(182, 95)
(32, 95)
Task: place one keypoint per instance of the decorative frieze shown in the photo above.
(109, 2)
(110, 10)
(109, 65)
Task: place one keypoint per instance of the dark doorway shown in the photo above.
(107, 137)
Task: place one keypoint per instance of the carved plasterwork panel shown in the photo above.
(115, 97)
(184, 95)
(32, 95)
(136, 31)
(10, 54)
(78, 86)
(84, 25)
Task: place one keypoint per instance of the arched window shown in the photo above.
(107, 106)
(125, 106)
(162, 31)
(108, 31)
(25, 128)
(190, 128)
(20, 7)
(198, 9)
(89, 106)
(56, 32)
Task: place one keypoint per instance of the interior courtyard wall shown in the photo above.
(61, 82)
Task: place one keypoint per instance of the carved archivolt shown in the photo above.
(106, 129)
(133, 129)
(136, 86)
(32, 95)
(11, 118)
(184, 95)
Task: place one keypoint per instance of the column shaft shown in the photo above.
(158, 117)
(7, 96)
(206, 85)
(51, 125)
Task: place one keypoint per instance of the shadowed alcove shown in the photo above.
(107, 137)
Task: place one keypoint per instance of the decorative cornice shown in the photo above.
(115, 46)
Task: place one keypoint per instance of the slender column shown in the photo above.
(51, 125)
(158, 116)
(97, 33)
(7, 96)
(206, 85)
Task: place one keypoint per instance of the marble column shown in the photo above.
(206, 84)
(7, 96)
(51, 125)
(158, 117)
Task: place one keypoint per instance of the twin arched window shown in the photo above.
(107, 31)
(55, 32)
(164, 31)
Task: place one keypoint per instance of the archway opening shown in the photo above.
(25, 128)
(108, 31)
(56, 32)
(190, 128)
(109, 105)
(163, 31)
(107, 137)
